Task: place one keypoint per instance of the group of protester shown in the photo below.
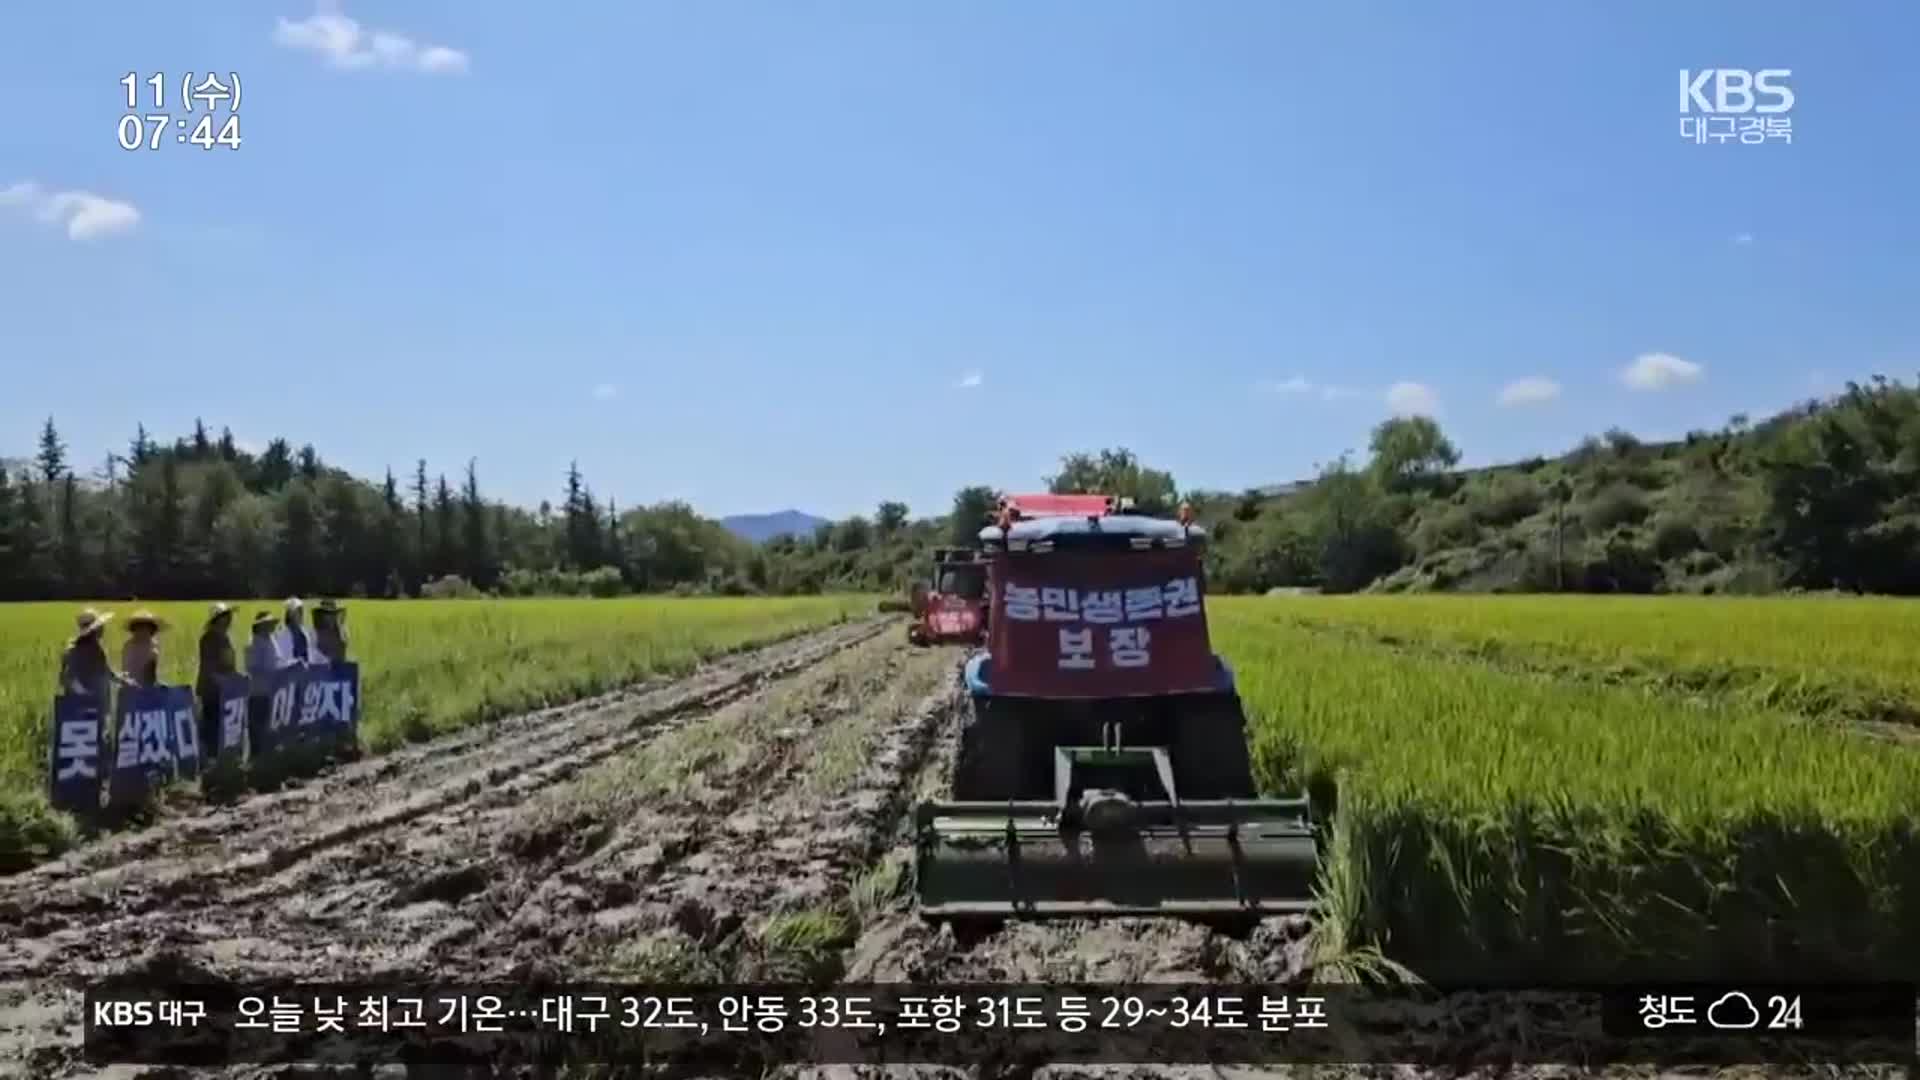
(276, 644)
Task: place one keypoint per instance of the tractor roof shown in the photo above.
(1075, 531)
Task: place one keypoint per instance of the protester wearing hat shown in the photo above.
(263, 653)
(140, 656)
(83, 665)
(216, 659)
(329, 631)
(293, 639)
(263, 659)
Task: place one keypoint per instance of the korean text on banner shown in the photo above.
(74, 763)
(303, 704)
(232, 730)
(145, 740)
(1100, 624)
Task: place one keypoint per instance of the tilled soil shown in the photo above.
(747, 823)
(392, 866)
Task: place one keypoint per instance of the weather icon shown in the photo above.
(1733, 1010)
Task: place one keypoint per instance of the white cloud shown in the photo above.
(605, 392)
(1743, 239)
(969, 381)
(1295, 385)
(346, 44)
(438, 59)
(1659, 371)
(1301, 385)
(1531, 390)
(1412, 399)
(83, 214)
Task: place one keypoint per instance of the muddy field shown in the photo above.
(745, 823)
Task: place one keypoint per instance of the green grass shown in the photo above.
(1852, 657)
(427, 667)
(1491, 825)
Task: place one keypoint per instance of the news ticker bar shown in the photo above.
(964, 1024)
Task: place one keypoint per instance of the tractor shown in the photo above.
(954, 610)
(1104, 767)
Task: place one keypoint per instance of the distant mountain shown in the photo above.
(758, 528)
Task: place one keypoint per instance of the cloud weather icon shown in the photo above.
(1733, 1010)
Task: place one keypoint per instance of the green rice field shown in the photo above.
(1491, 820)
(427, 666)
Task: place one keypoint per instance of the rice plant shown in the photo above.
(427, 666)
(1853, 657)
(1496, 825)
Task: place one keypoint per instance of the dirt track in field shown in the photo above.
(746, 823)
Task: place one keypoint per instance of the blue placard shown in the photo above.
(317, 704)
(333, 696)
(77, 753)
(189, 757)
(145, 741)
(232, 729)
(271, 717)
(155, 736)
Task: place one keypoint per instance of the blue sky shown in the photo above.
(824, 254)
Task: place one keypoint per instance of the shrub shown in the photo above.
(1747, 578)
(1619, 504)
(1674, 537)
(450, 587)
(1621, 566)
(603, 582)
(1700, 562)
(1451, 527)
(1508, 499)
(1724, 538)
(1622, 442)
(518, 581)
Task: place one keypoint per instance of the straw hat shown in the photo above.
(328, 607)
(143, 617)
(294, 604)
(265, 620)
(218, 611)
(90, 622)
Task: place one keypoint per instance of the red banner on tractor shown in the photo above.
(1099, 624)
(955, 617)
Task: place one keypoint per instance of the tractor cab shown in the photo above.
(952, 608)
(959, 572)
(1105, 769)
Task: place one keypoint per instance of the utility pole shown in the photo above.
(1560, 493)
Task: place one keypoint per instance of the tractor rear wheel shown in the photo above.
(1211, 759)
(991, 765)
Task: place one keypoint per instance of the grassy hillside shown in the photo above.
(1824, 496)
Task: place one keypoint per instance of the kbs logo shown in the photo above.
(1734, 90)
(123, 1013)
(1724, 104)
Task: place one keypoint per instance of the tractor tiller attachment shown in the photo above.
(1095, 851)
